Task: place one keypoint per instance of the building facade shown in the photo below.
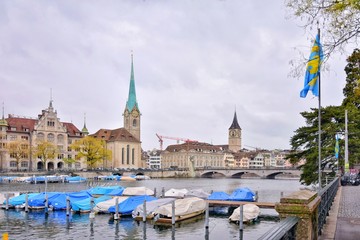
(47, 127)
(192, 155)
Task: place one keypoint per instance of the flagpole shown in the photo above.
(319, 123)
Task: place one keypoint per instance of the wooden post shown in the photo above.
(163, 192)
(46, 203)
(67, 205)
(144, 211)
(27, 202)
(92, 214)
(207, 215)
(155, 192)
(7, 201)
(116, 215)
(241, 220)
(173, 213)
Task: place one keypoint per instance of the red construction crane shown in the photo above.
(173, 138)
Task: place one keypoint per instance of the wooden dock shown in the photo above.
(213, 203)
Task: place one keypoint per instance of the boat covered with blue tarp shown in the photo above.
(76, 179)
(222, 196)
(126, 207)
(102, 190)
(243, 194)
(38, 201)
(58, 202)
(19, 200)
(85, 204)
(117, 192)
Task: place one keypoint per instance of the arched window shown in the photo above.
(134, 123)
(40, 136)
(50, 137)
(127, 154)
(60, 138)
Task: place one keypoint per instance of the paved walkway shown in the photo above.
(343, 221)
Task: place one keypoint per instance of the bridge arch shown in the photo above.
(212, 174)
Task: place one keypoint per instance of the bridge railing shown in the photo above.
(327, 195)
(284, 230)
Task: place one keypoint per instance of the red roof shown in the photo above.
(119, 134)
(28, 124)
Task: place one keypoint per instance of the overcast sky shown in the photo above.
(195, 62)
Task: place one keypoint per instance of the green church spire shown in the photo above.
(131, 102)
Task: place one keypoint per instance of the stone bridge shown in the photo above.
(269, 173)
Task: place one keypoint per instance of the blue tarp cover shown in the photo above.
(102, 190)
(76, 179)
(39, 199)
(19, 200)
(126, 207)
(116, 192)
(58, 202)
(219, 196)
(242, 194)
(85, 204)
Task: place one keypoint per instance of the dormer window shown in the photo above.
(50, 123)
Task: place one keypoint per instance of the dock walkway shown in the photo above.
(213, 203)
(343, 221)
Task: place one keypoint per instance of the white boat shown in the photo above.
(250, 213)
(176, 193)
(185, 208)
(103, 207)
(151, 207)
(137, 191)
(200, 193)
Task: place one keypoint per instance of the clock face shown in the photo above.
(233, 133)
(126, 113)
(135, 113)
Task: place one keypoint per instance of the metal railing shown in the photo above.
(284, 230)
(327, 195)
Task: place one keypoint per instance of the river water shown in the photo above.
(36, 225)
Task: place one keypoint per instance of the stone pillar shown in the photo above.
(304, 205)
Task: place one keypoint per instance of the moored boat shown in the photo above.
(185, 208)
(151, 207)
(243, 194)
(250, 213)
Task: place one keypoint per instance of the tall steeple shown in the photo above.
(131, 102)
(235, 135)
(235, 124)
(84, 129)
(132, 113)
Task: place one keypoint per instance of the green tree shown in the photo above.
(304, 144)
(339, 20)
(45, 150)
(18, 150)
(92, 149)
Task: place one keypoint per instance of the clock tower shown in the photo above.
(235, 135)
(132, 113)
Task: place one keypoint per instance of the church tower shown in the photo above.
(132, 113)
(235, 135)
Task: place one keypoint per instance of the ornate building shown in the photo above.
(125, 143)
(192, 155)
(47, 127)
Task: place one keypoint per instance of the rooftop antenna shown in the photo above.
(51, 98)
(3, 117)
